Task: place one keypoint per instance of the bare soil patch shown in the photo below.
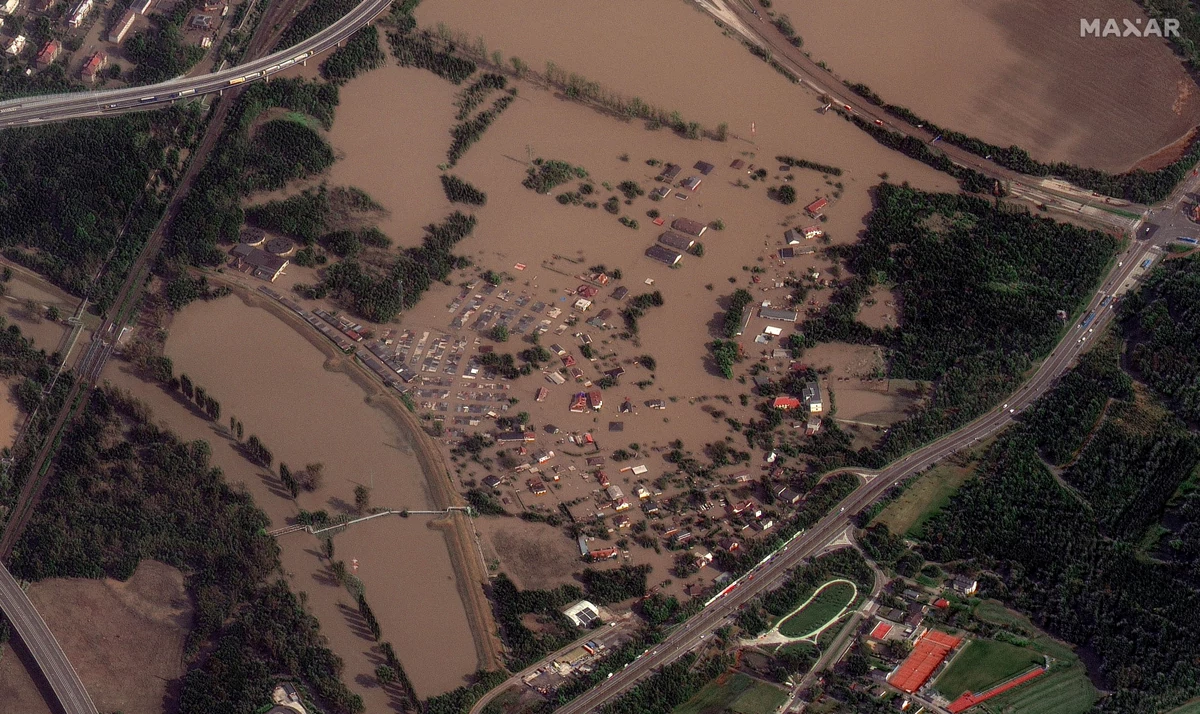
(125, 639)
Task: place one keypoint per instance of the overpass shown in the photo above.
(47, 108)
(32, 630)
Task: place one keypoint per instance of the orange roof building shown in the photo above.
(930, 650)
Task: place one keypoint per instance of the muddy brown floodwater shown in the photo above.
(274, 381)
(1017, 72)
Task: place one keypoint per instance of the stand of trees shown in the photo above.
(282, 150)
(69, 238)
(617, 584)
(979, 285)
(805, 164)
(471, 97)
(315, 16)
(669, 687)
(732, 321)
(512, 604)
(360, 54)
(1162, 322)
(212, 212)
(459, 191)
(380, 297)
(466, 133)
(546, 174)
(424, 49)
(161, 52)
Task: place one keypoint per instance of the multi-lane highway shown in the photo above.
(28, 111)
(770, 574)
(37, 637)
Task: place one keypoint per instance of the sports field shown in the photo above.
(1062, 690)
(984, 664)
(828, 601)
(1065, 689)
(737, 693)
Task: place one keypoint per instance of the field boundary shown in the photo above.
(812, 636)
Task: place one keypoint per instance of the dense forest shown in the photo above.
(101, 173)
(212, 212)
(1105, 554)
(361, 53)
(32, 374)
(512, 604)
(127, 490)
(978, 285)
(1163, 325)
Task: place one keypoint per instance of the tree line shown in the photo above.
(1137, 185)
(360, 54)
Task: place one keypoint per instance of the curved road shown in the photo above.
(42, 109)
(768, 575)
(37, 637)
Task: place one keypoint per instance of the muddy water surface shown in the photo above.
(273, 380)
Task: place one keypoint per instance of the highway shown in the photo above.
(769, 575)
(57, 670)
(42, 109)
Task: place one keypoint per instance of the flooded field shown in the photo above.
(1020, 72)
(130, 649)
(274, 381)
(541, 246)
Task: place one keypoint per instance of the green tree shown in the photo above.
(362, 498)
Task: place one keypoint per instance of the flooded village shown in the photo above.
(578, 391)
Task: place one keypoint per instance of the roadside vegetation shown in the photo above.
(988, 281)
(360, 54)
(1103, 553)
(161, 52)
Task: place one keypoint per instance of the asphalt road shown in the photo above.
(767, 576)
(46, 650)
(28, 111)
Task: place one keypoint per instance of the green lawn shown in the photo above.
(1065, 689)
(920, 501)
(737, 693)
(983, 664)
(1192, 707)
(829, 600)
(1062, 690)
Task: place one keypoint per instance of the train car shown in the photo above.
(1087, 320)
(273, 68)
(147, 99)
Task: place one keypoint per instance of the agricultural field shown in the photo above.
(826, 604)
(736, 693)
(984, 664)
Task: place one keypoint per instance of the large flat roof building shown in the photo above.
(258, 263)
(663, 255)
(671, 239)
(687, 225)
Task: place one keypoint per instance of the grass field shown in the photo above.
(1062, 690)
(1065, 689)
(983, 664)
(825, 605)
(737, 693)
(920, 501)
(1192, 707)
